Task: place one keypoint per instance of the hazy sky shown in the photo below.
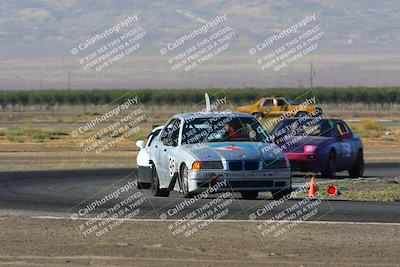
(209, 43)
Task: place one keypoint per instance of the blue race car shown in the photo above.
(320, 145)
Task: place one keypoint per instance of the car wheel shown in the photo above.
(249, 194)
(258, 115)
(279, 194)
(184, 181)
(358, 168)
(155, 185)
(143, 185)
(330, 169)
(301, 114)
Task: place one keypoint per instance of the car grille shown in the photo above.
(251, 165)
(280, 184)
(274, 164)
(235, 165)
(247, 165)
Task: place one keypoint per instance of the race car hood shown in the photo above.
(234, 151)
(296, 144)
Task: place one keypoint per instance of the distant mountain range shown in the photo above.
(56, 24)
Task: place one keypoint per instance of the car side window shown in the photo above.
(281, 102)
(336, 130)
(170, 134)
(345, 128)
(339, 129)
(342, 128)
(267, 103)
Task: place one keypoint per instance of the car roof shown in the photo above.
(211, 114)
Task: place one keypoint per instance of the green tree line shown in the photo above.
(188, 96)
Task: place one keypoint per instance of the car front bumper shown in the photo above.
(305, 162)
(262, 181)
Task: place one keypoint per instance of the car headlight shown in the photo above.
(207, 165)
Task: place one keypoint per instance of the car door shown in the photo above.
(169, 138)
(352, 141)
(346, 154)
(282, 106)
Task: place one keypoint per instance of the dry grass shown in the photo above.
(369, 129)
(31, 133)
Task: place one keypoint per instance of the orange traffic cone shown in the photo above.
(313, 188)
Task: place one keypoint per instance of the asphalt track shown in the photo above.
(62, 192)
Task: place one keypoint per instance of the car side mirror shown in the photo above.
(140, 144)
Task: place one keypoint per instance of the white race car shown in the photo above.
(196, 151)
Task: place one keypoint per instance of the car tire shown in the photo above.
(358, 168)
(155, 185)
(301, 114)
(141, 185)
(330, 168)
(184, 181)
(276, 195)
(249, 194)
(258, 115)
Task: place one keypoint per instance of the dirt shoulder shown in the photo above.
(56, 242)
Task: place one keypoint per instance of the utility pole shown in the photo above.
(69, 80)
(312, 74)
(69, 72)
(41, 80)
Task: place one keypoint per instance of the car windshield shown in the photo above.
(300, 126)
(224, 129)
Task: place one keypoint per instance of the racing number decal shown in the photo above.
(171, 166)
(346, 150)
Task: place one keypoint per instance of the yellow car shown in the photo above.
(277, 106)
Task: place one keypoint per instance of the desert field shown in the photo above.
(36, 138)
